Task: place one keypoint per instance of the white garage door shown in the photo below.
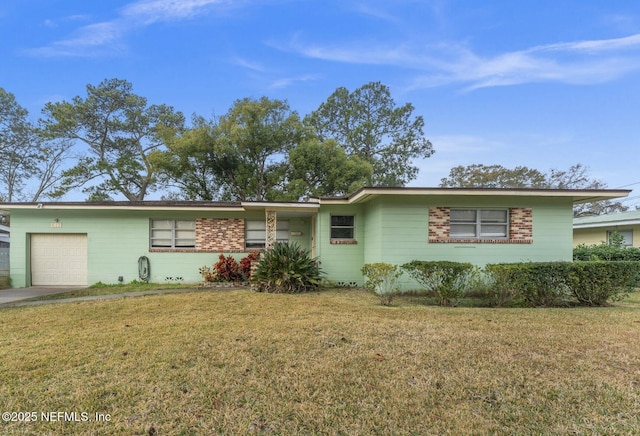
(59, 260)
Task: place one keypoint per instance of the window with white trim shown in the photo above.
(255, 233)
(479, 223)
(173, 233)
(343, 227)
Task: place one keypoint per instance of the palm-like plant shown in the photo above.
(286, 268)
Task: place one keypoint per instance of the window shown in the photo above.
(626, 236)
(479, 223)
(342, 227)
(256, 233)
(173, 233)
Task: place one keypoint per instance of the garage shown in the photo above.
(59, 260)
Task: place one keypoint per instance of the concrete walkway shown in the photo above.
(17, 294)
(15, 297)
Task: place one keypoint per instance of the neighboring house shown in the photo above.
(83, 243)
(596, 229)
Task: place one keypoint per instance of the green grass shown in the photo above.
(333, 362)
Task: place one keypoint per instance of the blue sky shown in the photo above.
(544, 84)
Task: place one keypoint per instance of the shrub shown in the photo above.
(493, 289)
(286, 268)
(536, 283)
(604, 251)
(447, 281)
(246, 262)
(207, 274)
(596, 283)
(227, 269)
(382, 280)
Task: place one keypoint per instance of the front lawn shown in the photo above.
(102, 289)
(333, 362)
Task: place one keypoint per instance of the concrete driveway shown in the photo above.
(17, 294)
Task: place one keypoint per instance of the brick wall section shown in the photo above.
(520, 224)
(520, 228)
(438, 223)
(220, 235)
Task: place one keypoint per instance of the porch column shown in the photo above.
(271, 228)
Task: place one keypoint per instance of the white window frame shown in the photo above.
(255, 233)
(476, 225)
(341, 227)
(172, 233)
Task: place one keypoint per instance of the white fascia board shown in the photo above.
(577, 196)
(125, 207)
(606, 224)
(290, 207)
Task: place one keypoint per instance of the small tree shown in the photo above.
(382, 280)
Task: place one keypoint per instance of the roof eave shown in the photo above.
(577, 195)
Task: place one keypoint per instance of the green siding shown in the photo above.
(116, 239)
(373, 240)
(340, 262)
(397, 229)
(391, 229)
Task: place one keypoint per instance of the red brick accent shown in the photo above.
(220, 235)
(520, 228)
(478, 241)
(438, 223)
(521, 224)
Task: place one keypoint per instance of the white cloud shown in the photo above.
(249, 64)
(151, 11)
(581, 62)
(288, 81)
(106, 37)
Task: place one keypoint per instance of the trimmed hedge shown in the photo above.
(606, 252)
(590, 283)
(535, 283)
(447, 281)
(596, 283)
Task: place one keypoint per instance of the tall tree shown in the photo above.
(193, 163)
(368, 124)
(577, 177)
(494, 176)
(16, 137)
(497, 176)
(322, 168)
(19, 148)
(53, 156)
(239, 156)
(121, 130)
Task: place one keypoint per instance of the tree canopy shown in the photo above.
(368, 124)
(17, 146)
(121, 130)
(494, 176)
(239, 156)
(322, 168)
(497, 176)
(30, 167)
(260, 149)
